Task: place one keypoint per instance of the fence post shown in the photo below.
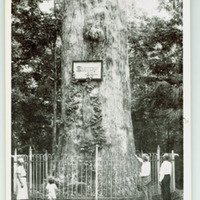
(14, 172)
(30, 168)
(141, 153)
(173, 172)
(46, 159)
(158, 167)
(96, 179)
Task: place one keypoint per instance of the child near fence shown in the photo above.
(51, 189)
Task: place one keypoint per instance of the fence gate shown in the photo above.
(89, 178)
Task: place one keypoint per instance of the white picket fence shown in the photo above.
(94, 177)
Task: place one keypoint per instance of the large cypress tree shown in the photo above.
(96, 112)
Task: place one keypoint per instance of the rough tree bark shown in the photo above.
(96, 112)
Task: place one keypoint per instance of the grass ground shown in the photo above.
(177, 195)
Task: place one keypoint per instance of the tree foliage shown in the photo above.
(33, 76)
(156, 66)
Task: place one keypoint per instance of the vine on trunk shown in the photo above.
(73, 103)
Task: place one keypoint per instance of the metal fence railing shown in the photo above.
(88, 177)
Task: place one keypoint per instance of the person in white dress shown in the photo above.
(51, 189)
(22, 190)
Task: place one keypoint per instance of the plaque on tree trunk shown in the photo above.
(83, 70)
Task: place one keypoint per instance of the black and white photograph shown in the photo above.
(98, 105)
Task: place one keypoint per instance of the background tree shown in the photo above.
(33, 76)
(156, 64)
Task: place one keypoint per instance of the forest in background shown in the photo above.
(156, 72)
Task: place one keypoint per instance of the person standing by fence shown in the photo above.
(165, 176)
(22, 190)
(51, 188)
(145, 175)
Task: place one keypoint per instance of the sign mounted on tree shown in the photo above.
(83, 70)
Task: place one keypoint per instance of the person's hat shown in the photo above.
(166, 156)
(20, 160)
(145, 157)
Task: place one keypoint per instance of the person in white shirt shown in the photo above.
(165, 176)
(145, 175)
(51, 188)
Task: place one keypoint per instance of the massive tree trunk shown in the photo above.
(96, 111)
(96, 31)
